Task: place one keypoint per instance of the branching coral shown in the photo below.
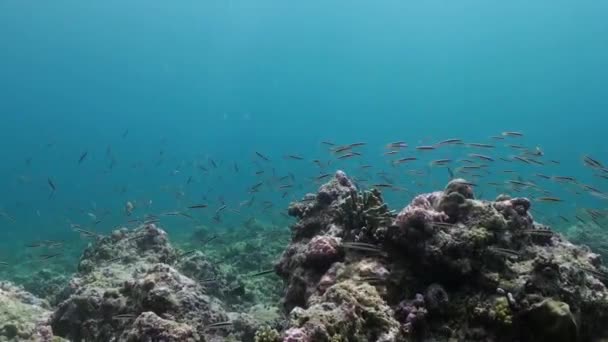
(266, 334)
(365, 209)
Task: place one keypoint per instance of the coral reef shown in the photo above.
(447, 267)
(23, 317)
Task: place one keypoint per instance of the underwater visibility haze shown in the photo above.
(151, 151)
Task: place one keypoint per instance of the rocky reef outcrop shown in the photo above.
(448, 267)
(130, 288)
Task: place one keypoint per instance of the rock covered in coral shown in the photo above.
(149, 327)
(149, 245)
(337, 212)
(353, 311)
(412, 313)
(97, 312)
(128, 289)
(550, 320)
(331, 191)
(447, 267)
(165, 291)
(267, 334)
(327, 298)
(296, 335)
(322, 250)
(453, 234)
(23, 317)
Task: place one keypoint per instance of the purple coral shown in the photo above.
(412, 313)
(322, 250)
(296, 335)
(420, 211)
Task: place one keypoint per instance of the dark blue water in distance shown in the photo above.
(155, 92)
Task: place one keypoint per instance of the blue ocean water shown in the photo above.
(157, 92)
